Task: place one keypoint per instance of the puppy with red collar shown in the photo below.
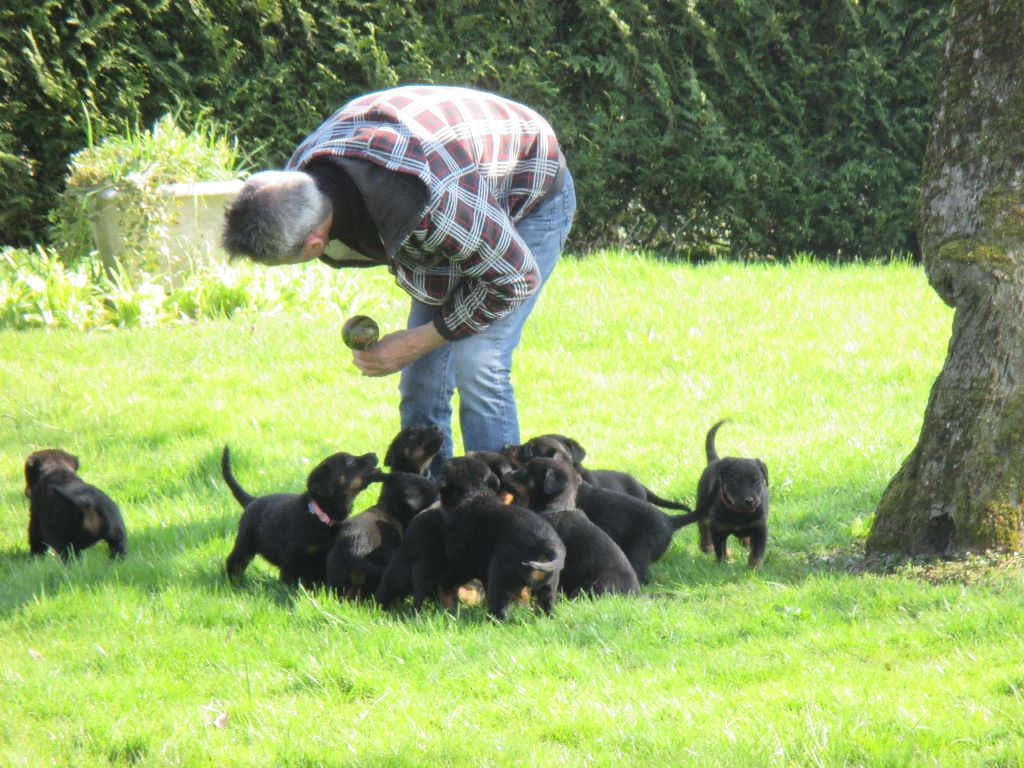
(295, 531)
(732, 500)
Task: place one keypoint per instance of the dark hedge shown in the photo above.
(752, 128)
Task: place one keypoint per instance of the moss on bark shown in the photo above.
(962, 488)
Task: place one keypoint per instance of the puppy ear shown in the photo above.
(428, 493)
(391, 455)
(553, 482)
(716, 487)
(511, 452)
(764, 470)
(31, 475)
(414, 498)
(576, 451)
(320, 481)
(492, 480)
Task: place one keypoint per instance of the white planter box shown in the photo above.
(193, 235)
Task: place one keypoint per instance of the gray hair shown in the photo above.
(272, 215)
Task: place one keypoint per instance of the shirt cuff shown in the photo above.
(442, 328)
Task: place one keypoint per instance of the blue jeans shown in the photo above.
(479, 366)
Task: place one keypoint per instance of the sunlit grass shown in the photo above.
(824, 373)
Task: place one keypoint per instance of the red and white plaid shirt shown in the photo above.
(485, 161)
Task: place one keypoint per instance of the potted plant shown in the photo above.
(150, 201)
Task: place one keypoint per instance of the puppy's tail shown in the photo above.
(656, 500)
(709, 442)
(541, 568)
(681, 521)
(237, 490)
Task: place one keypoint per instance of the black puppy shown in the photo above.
(66, 514)
(554, 445)
(418, 565)
(294, 531)
(499, 463)
(594, 564)
(732, 499)
(641, 530)
(507, 547)
(367, 541)
(413, 449)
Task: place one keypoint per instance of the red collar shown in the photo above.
(728, 504)
(314, 509)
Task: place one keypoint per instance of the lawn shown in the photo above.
(824, 374)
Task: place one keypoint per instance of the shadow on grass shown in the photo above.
(191, 553)
(166, 551)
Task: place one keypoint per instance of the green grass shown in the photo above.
(824, 372)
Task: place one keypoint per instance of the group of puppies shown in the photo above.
(527, 522)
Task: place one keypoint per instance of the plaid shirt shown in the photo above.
(485, 162)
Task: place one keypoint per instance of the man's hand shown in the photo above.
(396, 350)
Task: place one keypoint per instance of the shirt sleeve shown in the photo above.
(493, 269)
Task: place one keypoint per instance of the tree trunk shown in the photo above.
(961, 488)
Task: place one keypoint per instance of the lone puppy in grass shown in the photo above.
(559, 446)
(294, 531)
(366, 542)
(594, 564)
(413, 449)
(66, 514)
(505, 546)
(732, 499)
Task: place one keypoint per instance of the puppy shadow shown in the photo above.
(683, 568)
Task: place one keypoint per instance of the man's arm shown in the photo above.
(397, 350)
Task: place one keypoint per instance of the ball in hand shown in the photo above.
(359, 332)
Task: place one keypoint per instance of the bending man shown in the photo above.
(466, 198)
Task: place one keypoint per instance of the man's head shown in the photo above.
(278, 217)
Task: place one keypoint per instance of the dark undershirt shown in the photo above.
(352, 223)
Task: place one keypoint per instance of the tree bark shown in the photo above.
(961, 487)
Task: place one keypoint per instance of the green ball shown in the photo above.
(359, 332)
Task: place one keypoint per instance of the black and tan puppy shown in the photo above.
(499, 463)
(418, 565)
(642, 531)
(594, 564)
(66, 514)
(295, 531)
(732, 500)
(413, 449)
(507, 547)
(366, 542)
(554, 445)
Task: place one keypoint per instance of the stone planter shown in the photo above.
(192, 235)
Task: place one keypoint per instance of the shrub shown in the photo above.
(744, 127)
(134, 165)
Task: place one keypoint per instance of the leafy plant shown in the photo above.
(38, 289)
(127, 172)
